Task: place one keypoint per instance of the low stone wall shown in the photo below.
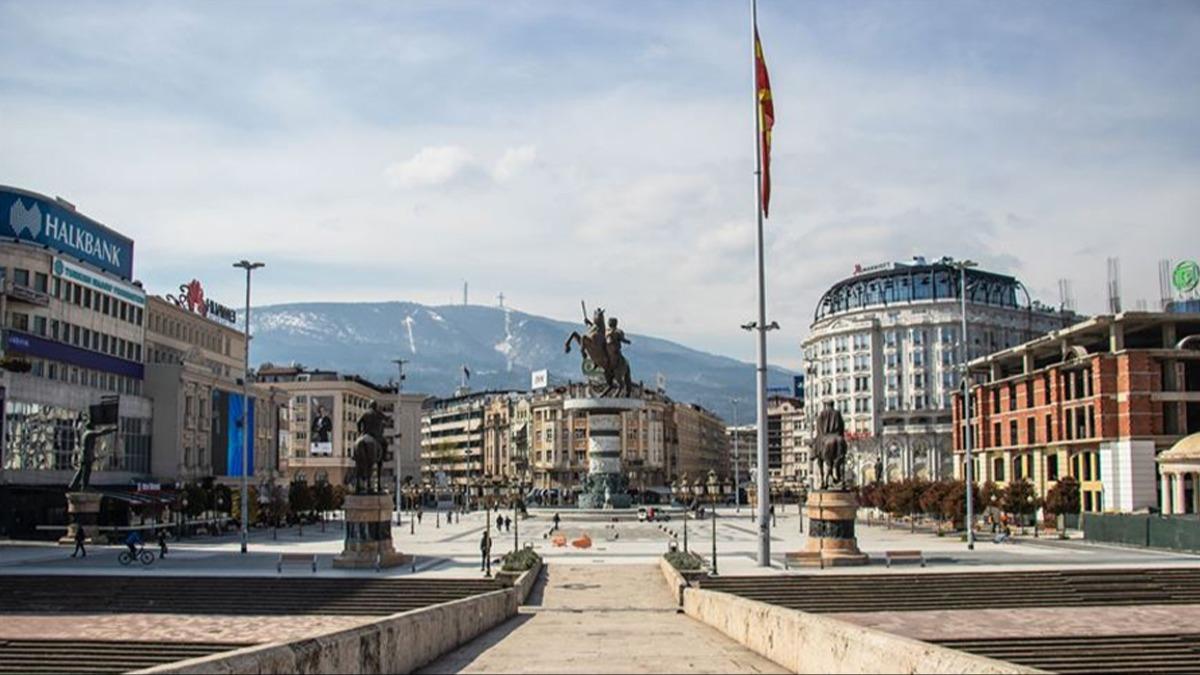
(811, 643)
(400, 643)
(675, 580)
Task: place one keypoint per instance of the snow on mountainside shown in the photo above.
(500, 346)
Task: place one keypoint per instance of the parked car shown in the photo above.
(642, 515)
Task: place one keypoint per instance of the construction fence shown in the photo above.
(1179, 533)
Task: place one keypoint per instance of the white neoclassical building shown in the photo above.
(1179, 476)
(885, 347)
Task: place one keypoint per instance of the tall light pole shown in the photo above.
(399, 417)
(737, 483)
(246, 430)
(763, 487)
(969, 463)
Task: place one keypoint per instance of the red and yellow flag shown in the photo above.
(766, 118)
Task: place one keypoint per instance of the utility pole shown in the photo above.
(969, 463)
(737, 481)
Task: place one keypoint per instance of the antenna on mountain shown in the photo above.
(1114, 285)
(500, 297)
(464, 294)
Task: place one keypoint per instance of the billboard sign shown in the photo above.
(540, 379)
(35, 219)
(191, 297)
(320, 436)
(85, 277)
(1186, 276)
(227, 431)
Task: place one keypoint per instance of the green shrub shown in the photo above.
(520, 561)
(685, 561)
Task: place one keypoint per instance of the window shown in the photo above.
(54, 329)
(1012, 432)
(41, 282)
(996, 400)
(122, 310)
(20, 277)
(948, 334)
(893, 381)
(76, 294)
(1031, 431)
(75, 335)
(57, 287)
(20, 321)
(862, 341)
(998, 469)
(39, 325)
(918, 336)
(1012, 396)
(107, 304)
(862, 384)
(892, 360)
(918, 358)
(893, 402)
(1051, 467)
(918, 380)
(889, 338)
(996, 438)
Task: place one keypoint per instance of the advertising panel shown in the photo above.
(227, 433)
(33, 218)
(540, 379)
(320, 436)
(85, 277)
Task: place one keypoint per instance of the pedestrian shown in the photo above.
(499, 522)
(557, 520)
(772, 515)
(80, 537)
(485, 548)
(507, 524)
(420, 512)
(162, 544)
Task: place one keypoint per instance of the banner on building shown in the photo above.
(320, 432)
(227, 431)
(540, 379)
(33, 218)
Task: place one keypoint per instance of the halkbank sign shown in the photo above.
(36, 219)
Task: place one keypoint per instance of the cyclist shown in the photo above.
(132, 542)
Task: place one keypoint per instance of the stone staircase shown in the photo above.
(230, 595)
(976, 590)
(88, 656)
(1164, 653)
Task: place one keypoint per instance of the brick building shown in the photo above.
(1097, 401)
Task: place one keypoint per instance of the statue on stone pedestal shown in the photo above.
(602, 357)
(370, 450)
(87, 455)
(831, 449)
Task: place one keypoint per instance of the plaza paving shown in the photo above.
(602, 608)
(610, 619)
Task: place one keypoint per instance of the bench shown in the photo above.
(296, 559)
(904, 556)
(806, 558)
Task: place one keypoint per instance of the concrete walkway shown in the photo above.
(602, 618)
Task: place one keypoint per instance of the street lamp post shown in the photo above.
(969, 463)
(246, 430)
(396, 451)
(737, 483)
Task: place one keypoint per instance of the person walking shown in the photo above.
(499, 523)
(485, 548)
(557, 520)
(507, 524)
(80, 537)
(162, 544)
(420, 512)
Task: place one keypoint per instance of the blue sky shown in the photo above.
(602, 150)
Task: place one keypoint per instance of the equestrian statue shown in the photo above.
(600, 348)
(370, 451)
(830, 448)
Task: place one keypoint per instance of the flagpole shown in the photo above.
(764, 494)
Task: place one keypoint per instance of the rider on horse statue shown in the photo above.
(830, 446)
(603, 361)
(370, 450)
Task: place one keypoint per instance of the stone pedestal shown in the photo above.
(369, 534)
(831, 539)
(604, 451)
(83, 510)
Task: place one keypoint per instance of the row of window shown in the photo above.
(83, 296)
(78, 336)
(85, 377)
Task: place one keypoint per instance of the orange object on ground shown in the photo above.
(559, 540)
(582, 542)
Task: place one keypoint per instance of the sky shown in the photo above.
(556, 151)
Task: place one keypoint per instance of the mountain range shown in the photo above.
(499, 346)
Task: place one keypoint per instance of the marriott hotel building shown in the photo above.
(72, 337)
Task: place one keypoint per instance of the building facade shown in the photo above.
(788, 444)
(701, 444)
(73, 337)
(322, 414)
(885, 348)
(195, 361)
(1098, 401)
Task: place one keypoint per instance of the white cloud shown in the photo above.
(430, 166)
(513, 161)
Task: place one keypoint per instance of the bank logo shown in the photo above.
(58, 268)
(28, 220)
(193, 296)
(1186, 276)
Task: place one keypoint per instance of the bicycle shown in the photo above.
(143, 556)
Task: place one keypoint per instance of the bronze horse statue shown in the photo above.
(596, 361)
(368, 465)
(830, 448)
